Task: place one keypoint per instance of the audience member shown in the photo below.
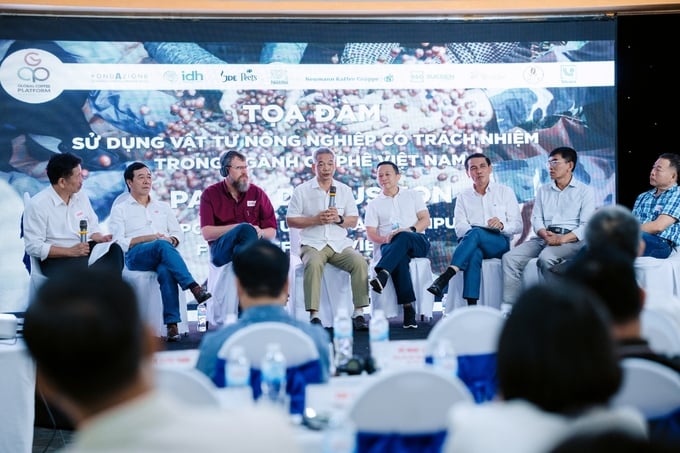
(557, 370)
(261, 270)
(486, 217)
(323, 216)
(658, 209)
(606, 266)
(59, 220)
(395, 223)
(234, 212)
(560, 213)
(94, 361)
(149, 232)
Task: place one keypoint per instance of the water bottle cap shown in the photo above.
(378, 312)
(342, 311)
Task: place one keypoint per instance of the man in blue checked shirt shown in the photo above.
(658, 209)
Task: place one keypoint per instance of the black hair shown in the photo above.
(475, 156)
(262, 269)
(567, 153)
(556, 350)
(61, 166)
(84, 331)
(388, 162)
(129, 173)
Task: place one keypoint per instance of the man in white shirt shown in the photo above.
(148, 231)
(486, 217)
(561, 211)
(323, 215)
(59, 220)
(395, 222)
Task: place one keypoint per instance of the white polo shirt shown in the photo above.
(400, 211)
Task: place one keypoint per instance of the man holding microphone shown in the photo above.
(59, 220)
(323, 209)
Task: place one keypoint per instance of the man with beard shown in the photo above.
(234, 212)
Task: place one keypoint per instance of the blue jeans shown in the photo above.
(476, 245)
(161, 257)
(226, 246)
(655, 246)
(395, 259)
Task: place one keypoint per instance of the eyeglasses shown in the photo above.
(554, 162)
(238, 168)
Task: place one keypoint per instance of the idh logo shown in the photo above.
(192, 76)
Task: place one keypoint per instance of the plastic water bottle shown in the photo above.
(444, 358)
(202, 317)
(273, 369)
(343, 339)
(237, 368)
(378, 332)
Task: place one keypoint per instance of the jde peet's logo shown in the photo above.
(248, 76)
(31, 75)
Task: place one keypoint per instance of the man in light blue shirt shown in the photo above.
(561, 210)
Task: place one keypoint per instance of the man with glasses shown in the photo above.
(561, 210)
(234, 212)
(658, 209)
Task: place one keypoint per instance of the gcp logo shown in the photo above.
(32, 75)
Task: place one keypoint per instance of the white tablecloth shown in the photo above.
(17, 395)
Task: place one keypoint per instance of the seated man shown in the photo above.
(561, 210)
(148, 231)
(395, 222)
(94, 357)
(324, 216)
(658, 209)
(59, 219)
(234, 212)
(261, 270)
(486, 217)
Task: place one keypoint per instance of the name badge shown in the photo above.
(251, 203)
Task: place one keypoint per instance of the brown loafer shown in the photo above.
(173, 333)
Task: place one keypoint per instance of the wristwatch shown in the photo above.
(412, 228)
(339, 222)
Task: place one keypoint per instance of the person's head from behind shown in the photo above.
(615, 226)
(261, 270)
(610, 273)
(65, 173)
(556, 350)
(87, 338)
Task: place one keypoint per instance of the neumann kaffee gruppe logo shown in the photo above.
(32, 75)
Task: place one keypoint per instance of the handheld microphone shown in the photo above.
(331, 197)
(83, 230)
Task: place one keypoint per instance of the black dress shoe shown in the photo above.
(437, 288)
(359, 323)
(200, 294)
(380, 280)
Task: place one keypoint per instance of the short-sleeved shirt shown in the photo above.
(49, 221)
(219, 208)
(400, 211)
(649, 207)
(308, 200)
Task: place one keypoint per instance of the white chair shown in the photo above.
(421, 278)
(224, 300)
(473, 332)
(652, 388)
(661, 330)
(188, 385)
(148, 291)
(490, 291)
(471, 329)
(336, 289)
(424, 397)
(296, 345)
(659, 274)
